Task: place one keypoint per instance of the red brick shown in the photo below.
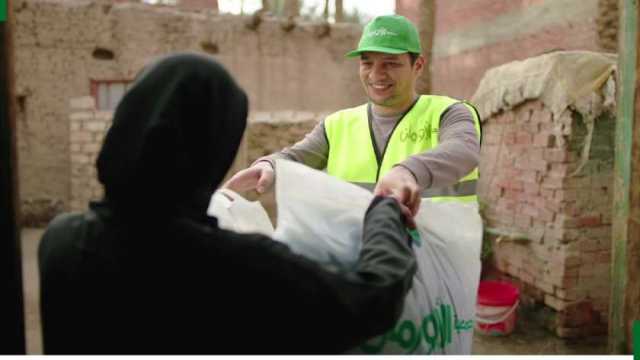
(566, 222)
(559, 170)
(536, 233)
(509, 138)
(515, 195)
(490, 138)
(544, 140)
(589, 221)
(556, 155)
(532, 127)
(546, 215)
(552, 183)
(553, 206)
(506, 117)
(523, 221)
(541, 165)
(554, 234)
(547, 127)
(532, 189)
(535, 154)
(530, 176)
(546, 193)
(447, 18)
(510, 184)
(508, 205)
(523, 138)
(529, 210)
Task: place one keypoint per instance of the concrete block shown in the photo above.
(80, 137)
(556, 303)
(83, 103)
(261, 117)
(95, 125)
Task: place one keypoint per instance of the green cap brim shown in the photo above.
(386, 50)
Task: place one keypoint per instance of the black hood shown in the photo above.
(174, 136)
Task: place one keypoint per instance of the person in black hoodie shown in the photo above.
(145, 271)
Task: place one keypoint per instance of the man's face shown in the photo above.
(389, 80)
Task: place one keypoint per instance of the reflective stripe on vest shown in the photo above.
(352, 155)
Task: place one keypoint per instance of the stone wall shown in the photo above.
(549, 218)
(61, 46)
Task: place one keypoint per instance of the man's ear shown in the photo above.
(420, 64)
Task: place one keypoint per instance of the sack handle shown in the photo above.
(501, 319)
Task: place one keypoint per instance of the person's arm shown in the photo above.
(312, 151)
(336, 312)
(457, 153)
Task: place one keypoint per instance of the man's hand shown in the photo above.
(400, 184)
(259, 177)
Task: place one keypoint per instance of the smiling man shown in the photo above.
(399, 143)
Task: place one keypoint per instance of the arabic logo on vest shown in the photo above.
(382, 32)
(413, 135)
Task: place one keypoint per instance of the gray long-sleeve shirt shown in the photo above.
(456, 155)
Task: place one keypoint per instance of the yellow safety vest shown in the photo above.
(352, 149)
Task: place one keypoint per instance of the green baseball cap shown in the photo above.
(391, 34)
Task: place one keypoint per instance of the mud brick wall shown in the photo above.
(269, 132)
(534, 188)
(61, 46)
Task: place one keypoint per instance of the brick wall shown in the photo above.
(87, 128)
(529, 190)
(473, 36)
(266, 133)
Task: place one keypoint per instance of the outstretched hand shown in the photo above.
(400, 184)
(259, 177)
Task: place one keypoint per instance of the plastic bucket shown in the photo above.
(496, 308)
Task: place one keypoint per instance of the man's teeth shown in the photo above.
(375, 86)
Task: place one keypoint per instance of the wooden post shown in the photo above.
(339, 11)
(625, 288)
(325, 12)
(12, 340)
(292, 8)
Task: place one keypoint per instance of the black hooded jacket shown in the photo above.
(146, 271)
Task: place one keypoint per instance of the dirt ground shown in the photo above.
(529, 337)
